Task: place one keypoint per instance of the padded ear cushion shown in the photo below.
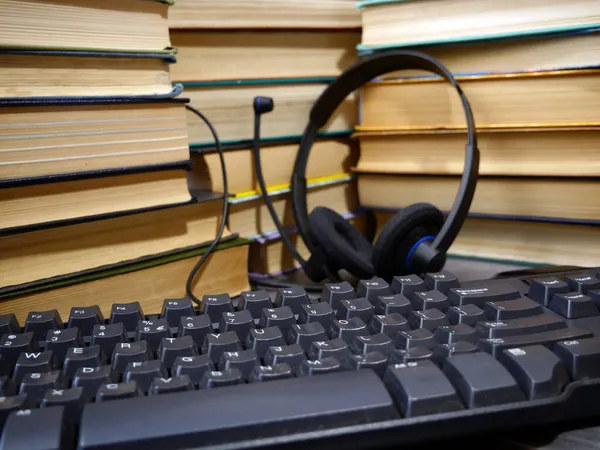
(400, 234)
(344, 246)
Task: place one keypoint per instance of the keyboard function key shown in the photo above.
(538, 371)
(126, 313)
(583, 283)
(40, 322)
(84, 318)
(293, 297)
(333, 293)
(174, 309)
(254, 302)
(9, 324)
(215, 305)
(543, 289)
(421, 388)
(574, 305)
(373, 288)
(441, 281)
(408, 285)
(481, 380)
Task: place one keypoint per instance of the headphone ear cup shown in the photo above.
(343, 245)
(400, 234)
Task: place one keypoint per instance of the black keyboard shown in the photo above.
(376, 364)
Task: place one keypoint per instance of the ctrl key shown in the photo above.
(421, 388)
(37, 429)
(581, 356)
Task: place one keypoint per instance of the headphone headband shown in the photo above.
(331, 98)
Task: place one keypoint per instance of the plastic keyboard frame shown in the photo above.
(578, 401)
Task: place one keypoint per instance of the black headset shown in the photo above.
(416, 239)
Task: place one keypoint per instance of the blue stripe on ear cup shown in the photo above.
(414, 247)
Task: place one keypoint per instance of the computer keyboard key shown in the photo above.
(70, 399)
(192, 366)
(543, 289)
(407, 285)
(357, 307)
(36, 384)
(7, 386)
(78, 357)
(293, 296)
(174, 309)
(583, 283)
(375, 361)
(390, 304)
(152, 331)
(12, 345)
(480, 295)
(127, 352)
(180, 383)
(573, 305)
(215, 305)
(337, 348)
(144, 372)
(467, 314)
(118, 391)
(9, 324)
(305, 334)
(254, 302)
(37, 429)
(421, 388)
(481, 380)
(413, 354)
(291, 354)
(11, 403)
(523, 325)
(59, 341)
(129, 314)
(282, 318)
(261, 339)
(348, 329)
(547, 338)
(107, 336)
(581, 357)
(450, 334)
(317, 313)
(421, 337)
(441, 281)
(390, 324)
(443, 351)
(512, 309)
(5, 367)
(40, 322)
(244, 361)
(381, 343)
(240, 322)
(429, 300)
(195, 326)
(33, 362)
(171, 348)
(430, 319)
(91, 378)
(84, 318)
(333, 293)
(320, 366)
(220, 378)
(215, 344)
(538, 371)
(373, 288)
(271, 373)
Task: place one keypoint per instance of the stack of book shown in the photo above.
(230, 52)
(95, 198)
(530, 72)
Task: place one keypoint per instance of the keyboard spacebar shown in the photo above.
(235, 413)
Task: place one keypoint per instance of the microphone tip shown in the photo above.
(263, 105)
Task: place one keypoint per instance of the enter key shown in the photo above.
(520, 326)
